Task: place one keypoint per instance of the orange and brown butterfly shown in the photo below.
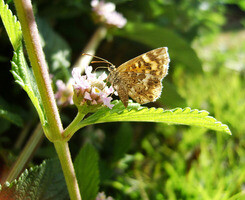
(141, 77)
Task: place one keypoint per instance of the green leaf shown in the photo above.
(87, 172)
(11, 24)
(5, 125)
(137, 113)
(42, 182)
(155, 36)
(21, 72)
(7, 113)
(24, 77)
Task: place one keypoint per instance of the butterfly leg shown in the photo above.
(123, 95)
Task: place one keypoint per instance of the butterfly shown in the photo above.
(141, 77)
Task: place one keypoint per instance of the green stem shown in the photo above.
(40, 70)
(23, 134)
(91, 47)
(63, 152)
(26, 154)
(39, 66)
(72, 128)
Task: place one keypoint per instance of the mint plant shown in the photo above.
(92, 98)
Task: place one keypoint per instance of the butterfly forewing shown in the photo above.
(141, 77)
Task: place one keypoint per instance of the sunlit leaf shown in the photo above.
(137, 113)
(11, 24)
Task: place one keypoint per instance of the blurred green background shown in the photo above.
(206, 41)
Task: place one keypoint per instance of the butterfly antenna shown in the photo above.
(86, 54)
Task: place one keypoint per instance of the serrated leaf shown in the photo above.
(87, 172)
(21, 72)
(11, 24)
(42, 182)
(156, 36)
(10, 116)
(24, 77)
(137, 113)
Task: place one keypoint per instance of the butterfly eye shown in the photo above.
(112, 68)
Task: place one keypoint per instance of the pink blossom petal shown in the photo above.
(64, 93)
(107, 102)
(60, 85)
(76, 73)
(87, 96)
(88, 72)
(102, 77)
(106, 12)
(93, 90)
(107, 91)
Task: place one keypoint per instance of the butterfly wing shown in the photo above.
(141, 77)
(154, 62)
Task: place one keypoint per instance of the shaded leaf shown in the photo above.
(123, 141)
(138, 113)
(42, 182)
(24, 77)
(87, 172)
(7, 113)
(156, 36)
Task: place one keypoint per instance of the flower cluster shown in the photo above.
(106, 13)
(90, 90)
(102, 196)
(64, 93)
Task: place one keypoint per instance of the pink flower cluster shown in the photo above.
(106, 13)
(64, 93)
(90, 89)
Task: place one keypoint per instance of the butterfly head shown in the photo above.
(111, 68)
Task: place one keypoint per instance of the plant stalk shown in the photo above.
(54, 126)
(91, 48)
(40, 68)
(26, 154)
(72, 128)
(64, 155)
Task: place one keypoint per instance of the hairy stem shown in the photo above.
(72, 128)
(54, 126)
(63, 152)
(39, 66)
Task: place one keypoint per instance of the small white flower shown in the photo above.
(106, 13)
(90, 89)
